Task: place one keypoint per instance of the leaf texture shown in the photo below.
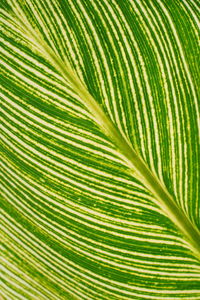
(80, 80)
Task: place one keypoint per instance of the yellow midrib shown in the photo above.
(132, 159)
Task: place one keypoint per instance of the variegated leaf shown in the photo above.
(99, 149)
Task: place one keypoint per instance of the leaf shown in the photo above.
(99, 151)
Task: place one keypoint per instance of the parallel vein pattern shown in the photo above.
(75, 222)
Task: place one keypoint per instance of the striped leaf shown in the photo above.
(99, 149)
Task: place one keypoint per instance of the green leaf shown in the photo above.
(99, 149)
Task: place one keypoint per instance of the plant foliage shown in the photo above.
(99, 149)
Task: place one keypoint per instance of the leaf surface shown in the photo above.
(99, 151)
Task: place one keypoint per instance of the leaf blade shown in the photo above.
(123, 196)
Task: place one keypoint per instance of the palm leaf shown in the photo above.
(99, 151)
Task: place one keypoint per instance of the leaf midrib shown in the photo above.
(130, 156)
